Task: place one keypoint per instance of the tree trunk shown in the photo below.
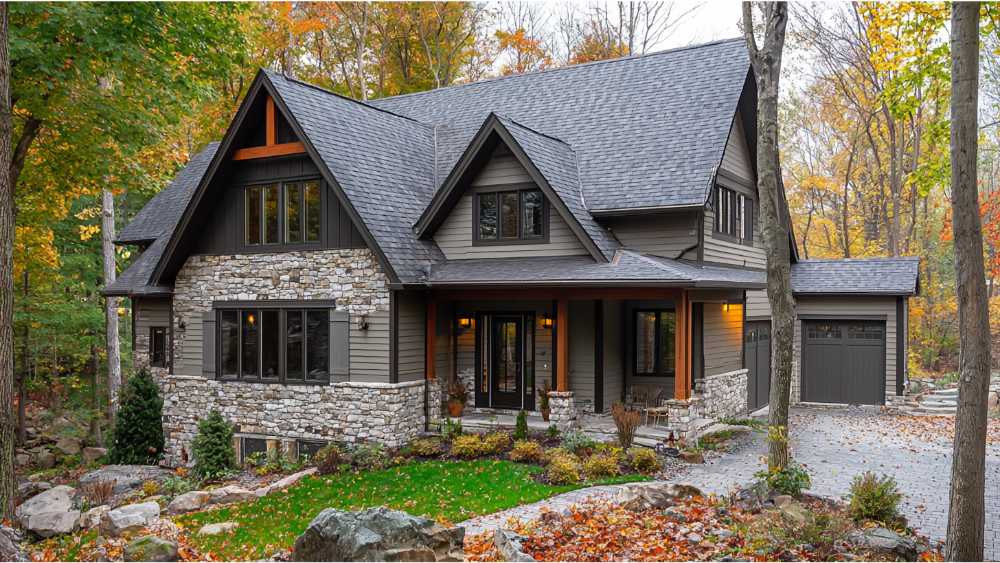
(775, 229)
(7, 218)
(22, 378)
(110, 304)
(966, 514)
(95, 422)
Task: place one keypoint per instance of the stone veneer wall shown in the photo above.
(717, 396)
(343, 412)
(562, 409)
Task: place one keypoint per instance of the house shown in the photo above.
(321, 272)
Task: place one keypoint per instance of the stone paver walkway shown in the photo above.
(837, 444)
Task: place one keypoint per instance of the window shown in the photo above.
(864, 333)
(275, 345)
(288, 213)
(654, 343)
(734, 215)
(158, 347)
(824, 332)
(510, 216)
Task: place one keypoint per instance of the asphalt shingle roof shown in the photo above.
(875, 276)
(647, 130)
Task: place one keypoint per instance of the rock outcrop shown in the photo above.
(656, 494)
(55, 500)
(130, 518)
(150, 548)
(188, 502)
(125, 477)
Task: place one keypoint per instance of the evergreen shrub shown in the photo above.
(137, 438)
(521, 428)
(214, 453)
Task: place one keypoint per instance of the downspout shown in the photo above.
(686, 250)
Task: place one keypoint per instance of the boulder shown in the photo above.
(692, 457)
(45, 459)
(61, 423)
(655, 494)
(231, 493)
(217, 528)
(29, 490)
(22, 459)
(125, 477)
(48, 524)
(57, 499)
(150, 548)
(92, 518)
(377, 534)
(90, 455)
(882, 540)
(188, 502)
(509, 545)
(7, 547)
(283, 483)
(131, 518)
(68, 445)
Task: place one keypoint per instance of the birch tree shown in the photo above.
(110, 303)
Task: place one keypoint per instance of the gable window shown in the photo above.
(734, 215)
(287, 213)
(654, 343)
(510, 215)
(285, 345)
(158, 347)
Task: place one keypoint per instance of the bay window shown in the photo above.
(654, 343)
(281, 345)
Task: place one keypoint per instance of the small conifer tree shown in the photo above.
(214, 454)
(137, 438)
(521, 428)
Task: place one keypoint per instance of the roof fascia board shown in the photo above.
(221, 156)
(629, 211)
(550, 193)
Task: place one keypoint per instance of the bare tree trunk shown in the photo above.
(95, 422)
(8, 216)
(22, 431)
(766, 63)
(966, 513)
(110, 304)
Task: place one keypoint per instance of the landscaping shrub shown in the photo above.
(627, 421)
(751, 422)
(553, 431)
(790, 480)
(367, 457)
(521, 428)
(873, 498)
(526, 451)
(497, 442)
(451, 430)
(600, 466)
(214, 453)
(176, 486)
(137, 438)
(426, 447)
(328, 460)
(714, 441)
(562, 473)
(576, 440)
(608, 450)
(467, 446)
(644, 461)
(271, 462)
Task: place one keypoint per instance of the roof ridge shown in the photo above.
(566, 67)
(348, 98)
(535, 131)
(861, 258)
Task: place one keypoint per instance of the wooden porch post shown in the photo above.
(562, 345)
(430, 335)
(682, 347)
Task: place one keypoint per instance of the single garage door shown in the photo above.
(843, 362)
(757, 347)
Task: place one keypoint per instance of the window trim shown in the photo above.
(152, 338)
(282, 307)
(635, 342)
(502, 189)
(242, 223)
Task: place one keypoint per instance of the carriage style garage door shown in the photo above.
(843, 362)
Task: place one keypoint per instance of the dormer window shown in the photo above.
(510, 216)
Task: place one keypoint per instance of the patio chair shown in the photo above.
(645, 398)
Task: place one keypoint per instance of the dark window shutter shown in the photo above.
(340, 346)
(750, 224)
(208, 336)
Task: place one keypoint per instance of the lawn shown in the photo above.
(451, 491)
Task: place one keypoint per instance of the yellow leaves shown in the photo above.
(87, 231)
(89, 213)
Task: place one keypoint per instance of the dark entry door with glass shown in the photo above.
(506, 361)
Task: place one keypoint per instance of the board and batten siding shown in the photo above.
(736, 159)
(842, 308)
(723, 338)
(412, 351)
(722, 251)
(662, 235)
(614, 362)
(370, 349)
(581, 350)
(454, 237)
(758, 306)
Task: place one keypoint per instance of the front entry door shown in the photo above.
(757, 346)
(506, 362)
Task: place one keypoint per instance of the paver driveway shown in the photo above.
(837, 444)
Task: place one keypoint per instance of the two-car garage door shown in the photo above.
(843, 362)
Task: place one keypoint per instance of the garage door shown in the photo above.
(757, 347)
(843, 362)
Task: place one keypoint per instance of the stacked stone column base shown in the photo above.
(562, 409)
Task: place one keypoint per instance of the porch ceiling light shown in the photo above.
(546, 322)
(465, 322)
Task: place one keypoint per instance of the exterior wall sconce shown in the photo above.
(547, 322)
(465, 322)
(183, 325)
(362, 322)
(726, 306)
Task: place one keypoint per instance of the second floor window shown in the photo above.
(285, 213)
(734, 215)
(509, 216)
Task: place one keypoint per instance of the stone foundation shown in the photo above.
(562, 409)
(340, 412)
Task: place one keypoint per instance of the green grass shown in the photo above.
(452, 491)
(751, 422)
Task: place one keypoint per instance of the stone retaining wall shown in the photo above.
(717, 396)
(343, 412)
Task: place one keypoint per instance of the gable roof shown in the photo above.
(857, 276)
(648, 131)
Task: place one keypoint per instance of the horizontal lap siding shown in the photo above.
(842, 307)
(736, 159)
(758, 304)
(444, 365)
(725, 252)
(723, 341)
(581, 350)
(370, 349)
(151, 313)
(502, 170)
(411, 337)
(190, 362)
(614, 374)
(666, 235)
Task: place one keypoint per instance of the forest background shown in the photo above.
(120, 96)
